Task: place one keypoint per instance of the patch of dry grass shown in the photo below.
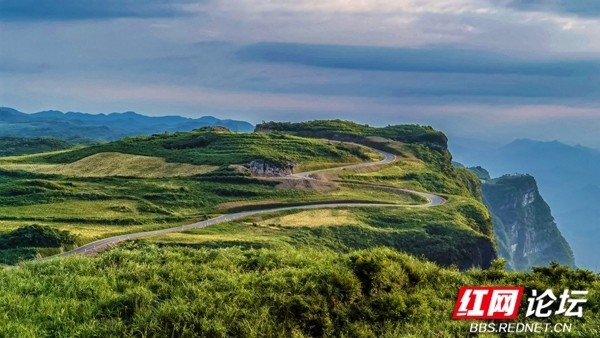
(90, 232)
(313, 218)
(77, 209)
(116, 165)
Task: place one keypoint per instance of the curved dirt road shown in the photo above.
(100, 245)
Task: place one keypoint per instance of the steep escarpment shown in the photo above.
(525, 230)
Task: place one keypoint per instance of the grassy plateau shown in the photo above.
(342, 272)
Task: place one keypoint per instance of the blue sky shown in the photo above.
(485, 69)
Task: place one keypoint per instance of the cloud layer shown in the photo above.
(497, 69)
(586, 8)
(59, 10)
(433, 60)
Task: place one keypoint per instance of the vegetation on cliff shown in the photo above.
(340, 129)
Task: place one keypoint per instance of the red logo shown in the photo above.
(488, 302)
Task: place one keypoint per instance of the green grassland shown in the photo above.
(332, 129)
(366, 272)
(446, 234)
(111, 193)
(116, 165)
(118, 188)
(424, 142)
(147, 291)
(221, 148)
(93, 208)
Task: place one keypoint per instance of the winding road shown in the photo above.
(103, 244)
(387, 158)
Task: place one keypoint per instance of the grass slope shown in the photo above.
(97, 207)
(442, 234)
(222, 148)
(148, 291)
(333, 129)
(93, 208)
(116, 165)
(278, 275)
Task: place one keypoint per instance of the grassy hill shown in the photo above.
(121, 189)
(219, 147)
(333, 129)
(107, 164)
(369, 272)
(95, 192)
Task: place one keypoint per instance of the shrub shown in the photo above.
(36, 236)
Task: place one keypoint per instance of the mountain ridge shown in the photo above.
(104, 126)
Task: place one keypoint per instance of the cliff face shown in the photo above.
(525, 230)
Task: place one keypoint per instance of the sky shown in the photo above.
(491, 70)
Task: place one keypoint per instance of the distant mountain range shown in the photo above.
(80, 126)
(568, 178)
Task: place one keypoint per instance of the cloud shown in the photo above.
(429, 74)
(477, 24)
(68, 10)
(584, 8)
(434, 60)
(364, 7)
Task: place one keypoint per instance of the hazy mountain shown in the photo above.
(568, 178)
(74, 125)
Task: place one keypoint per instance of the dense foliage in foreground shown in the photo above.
(147, 291)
